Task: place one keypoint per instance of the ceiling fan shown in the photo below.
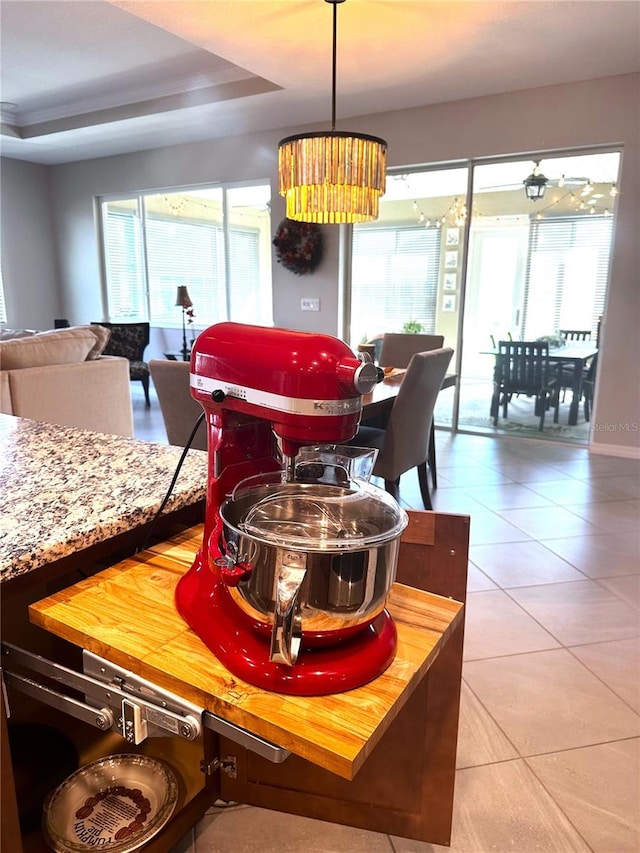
(536, 183)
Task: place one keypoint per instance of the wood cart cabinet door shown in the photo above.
(405, 787)
(9, 825)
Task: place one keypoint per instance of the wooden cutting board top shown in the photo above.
(126, 614)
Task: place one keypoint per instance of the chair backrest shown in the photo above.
(576, 334)
(179, 410)
(128, 340)
(398, 348)
(406, 440)
(522, 366)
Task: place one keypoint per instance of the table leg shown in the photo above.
(576, 393)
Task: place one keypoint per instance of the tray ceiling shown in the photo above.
(93, 78)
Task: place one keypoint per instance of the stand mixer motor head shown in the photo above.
(308, 386)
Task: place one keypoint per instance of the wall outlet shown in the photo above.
(309, 304)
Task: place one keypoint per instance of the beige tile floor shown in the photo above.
(549, 743)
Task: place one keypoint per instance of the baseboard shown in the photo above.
(621, 450)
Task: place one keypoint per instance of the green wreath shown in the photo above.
(298, 246)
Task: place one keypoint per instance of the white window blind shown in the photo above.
(394, 279)
(244, 276)
(189, 254)
(124, 265)
(148, 258)
(567, 273)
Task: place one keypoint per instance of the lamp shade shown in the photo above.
(182, 297)
(332, 177)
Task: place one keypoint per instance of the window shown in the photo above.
(3, 306)
(567, 273)
(394, 279)
(406, 267)
(215, 241)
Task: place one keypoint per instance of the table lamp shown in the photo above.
(183, 301)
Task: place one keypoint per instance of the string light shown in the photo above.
(580, 203)
(179, 204)
(175, 206)
(456, 214)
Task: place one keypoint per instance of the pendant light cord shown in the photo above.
(334, 75)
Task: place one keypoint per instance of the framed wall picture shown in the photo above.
(450, 281)
(453, 236)
(451, 260)
(449, 302)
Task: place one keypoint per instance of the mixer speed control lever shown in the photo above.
(365, 377)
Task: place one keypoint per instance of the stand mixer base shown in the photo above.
(239, 643)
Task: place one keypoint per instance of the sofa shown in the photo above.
(61, 377)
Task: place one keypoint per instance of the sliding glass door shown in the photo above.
(407, 267)
(535, 269)
(478, 260)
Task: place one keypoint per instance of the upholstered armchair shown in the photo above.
(129, 340)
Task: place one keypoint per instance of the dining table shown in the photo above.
(377, 404)
(576, 355)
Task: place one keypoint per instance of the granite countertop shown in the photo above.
(63, 489)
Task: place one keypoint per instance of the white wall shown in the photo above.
(585, 114)
(29, 257)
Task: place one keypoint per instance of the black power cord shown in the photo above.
(145, 542)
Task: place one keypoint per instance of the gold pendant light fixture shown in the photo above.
(332, 177)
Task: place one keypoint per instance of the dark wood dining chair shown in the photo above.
(404, 443)
(588, 386)
(129, 340)
(564, 372)
(575, 334)
(522, 368)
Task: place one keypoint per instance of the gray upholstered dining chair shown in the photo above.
(397, 350)
(404, 443)
(179, 410)
(398, 347)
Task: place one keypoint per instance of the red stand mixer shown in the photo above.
(298, 556)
